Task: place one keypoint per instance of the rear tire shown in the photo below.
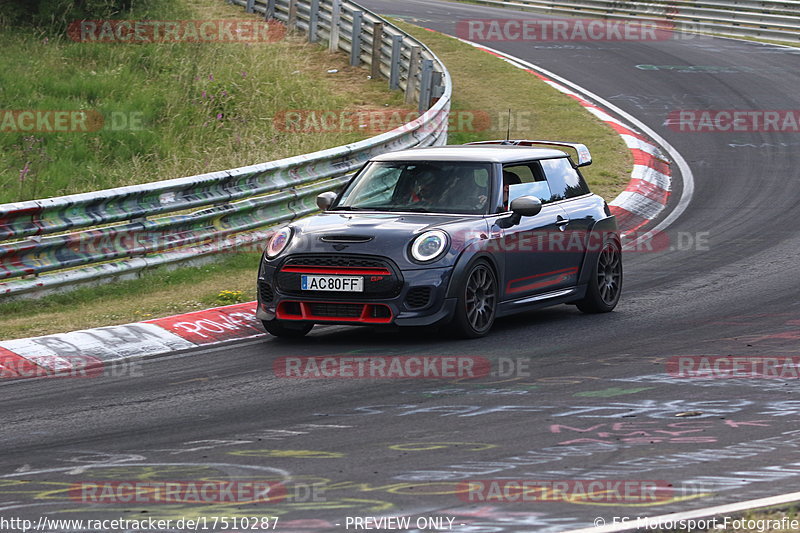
(605, 282)
(477, 302)
(287, 330)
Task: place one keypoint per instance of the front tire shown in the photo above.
(477, 301)
(605, 283)
(290, 330)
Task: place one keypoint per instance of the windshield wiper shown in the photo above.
(349, 208)
(389, 208)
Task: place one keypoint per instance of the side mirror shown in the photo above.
(526, 206)
(325, 200)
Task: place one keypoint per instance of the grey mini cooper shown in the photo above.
(454, 235)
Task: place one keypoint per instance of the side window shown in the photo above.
(565, 182)
(524, 180)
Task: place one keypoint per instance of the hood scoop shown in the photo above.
(346, 239)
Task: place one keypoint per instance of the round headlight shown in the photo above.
(429, 246)
(279, 240)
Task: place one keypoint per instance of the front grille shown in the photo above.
(381, 277)
(336, 310)
(418, 297)
(336, 260)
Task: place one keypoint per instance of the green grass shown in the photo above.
(162, 293)
(197, 107)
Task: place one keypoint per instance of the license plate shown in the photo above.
(332, 283)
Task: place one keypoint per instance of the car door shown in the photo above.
(570, 191)
(531, 267)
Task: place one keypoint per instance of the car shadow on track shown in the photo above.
(538, 324)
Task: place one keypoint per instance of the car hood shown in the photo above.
(384, 234)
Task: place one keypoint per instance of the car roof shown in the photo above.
(494, 153)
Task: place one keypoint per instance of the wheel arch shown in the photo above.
(607, 228)
(465, 261)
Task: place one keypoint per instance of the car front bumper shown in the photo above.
(408, 307)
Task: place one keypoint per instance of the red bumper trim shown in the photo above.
(282, 312)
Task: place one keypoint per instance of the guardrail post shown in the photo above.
(413, 68)
(355, 46)
(425, 86)
(292, 21)
(336, 15)
(394, 76)
(249, 7)
(377, 42)
(436, 86)
(269, 13)
(313, 21)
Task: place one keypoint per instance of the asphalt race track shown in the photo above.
(578, 397)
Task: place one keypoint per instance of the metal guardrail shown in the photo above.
(125, 230)
(777, 20)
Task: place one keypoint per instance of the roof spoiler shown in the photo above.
(584, 157)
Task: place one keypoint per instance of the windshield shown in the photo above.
(420, 186)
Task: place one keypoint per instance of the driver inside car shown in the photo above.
(423, 189)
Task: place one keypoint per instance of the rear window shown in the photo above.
(565, 182)
(524, 180)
